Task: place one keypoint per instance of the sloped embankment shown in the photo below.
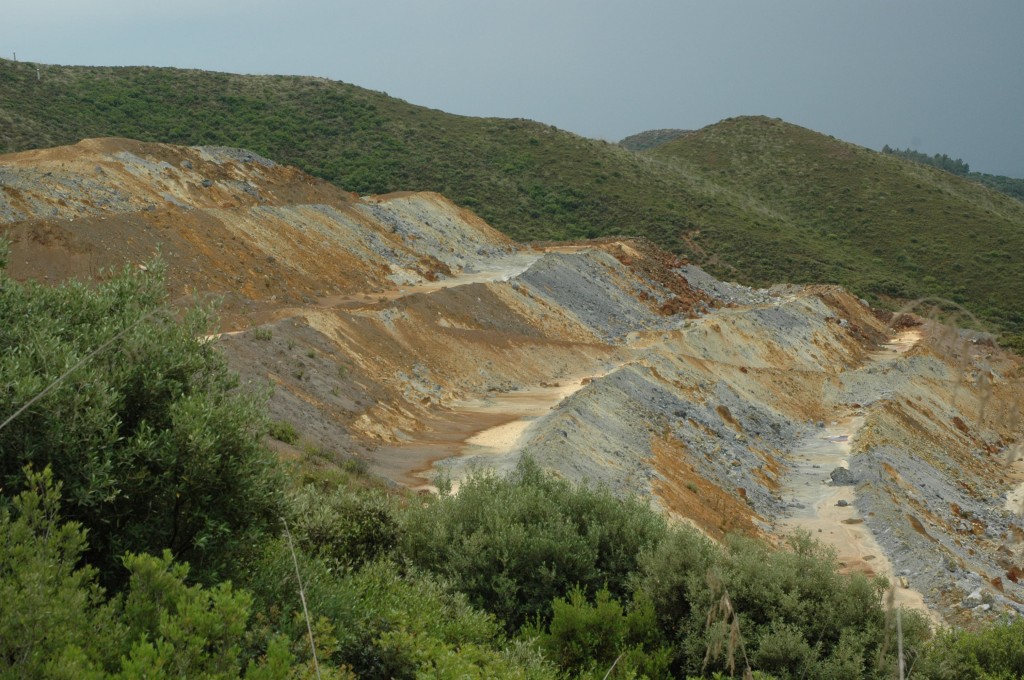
(405, 330)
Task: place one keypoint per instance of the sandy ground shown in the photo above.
(486, 432)
(818, 512)
(498, 447)
(1015, 498)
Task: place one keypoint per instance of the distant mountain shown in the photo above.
(651, 138)
(753, 200)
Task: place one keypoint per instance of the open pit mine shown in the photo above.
(404, 331)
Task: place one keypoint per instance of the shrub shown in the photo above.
(385, 622)
(283, 431)
(345, 529)
(148, 433)
(513, 545)
(796, 615)
(589, 639)
(47, 606)
(56, 622)
(993, 653)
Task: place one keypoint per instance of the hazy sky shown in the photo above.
(938, 75)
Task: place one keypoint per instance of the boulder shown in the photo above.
(842, 477)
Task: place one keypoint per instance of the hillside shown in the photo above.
(877, 223)
(1011, 186)
(405, 332)
(532, 181)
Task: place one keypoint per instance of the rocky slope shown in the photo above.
(405, 331)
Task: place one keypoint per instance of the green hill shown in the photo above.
(529, 179)
(878, 223)
(753, 200)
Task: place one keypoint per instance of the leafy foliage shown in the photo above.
(283, 431)
(885, 228)
(589, 639)
(513, 545)
(994, 653)
(155, 446)
(46, 603)
(56, 622)
(1011, 186)
(345, 528)
(797, 616)
(383, 623)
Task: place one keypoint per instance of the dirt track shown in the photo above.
(826, 510)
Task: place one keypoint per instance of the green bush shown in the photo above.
(153, 442)
(513, 545)
(346, 529)
(55, 621)
(385, 622)
(993, 653)
(586, 640)
(48, 606)
(795, 615)
(283, 431)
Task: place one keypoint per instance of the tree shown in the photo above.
(141, 421)
(48, 607)
(56, 622)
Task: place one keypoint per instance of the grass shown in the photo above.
(752, 199)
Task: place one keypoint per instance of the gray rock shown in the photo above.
(842, 477)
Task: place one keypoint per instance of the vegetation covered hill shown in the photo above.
(875, 222)
(753, 200)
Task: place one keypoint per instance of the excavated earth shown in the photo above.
(405, 331)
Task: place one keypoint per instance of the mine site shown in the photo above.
(300, 379)
(404, 331)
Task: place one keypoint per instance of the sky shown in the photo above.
(940, 76)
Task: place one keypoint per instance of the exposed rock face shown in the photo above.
(404, 329)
